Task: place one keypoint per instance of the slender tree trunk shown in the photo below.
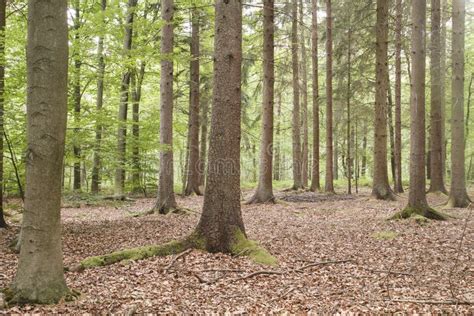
(3, 20)
(329, 185)
(221, 219)
(381, 188)
(417, 203)
(458, 195)
(468, 113)
(166, 201)
(349, 161)
(203, 143)
(297, 165)
(336, 156)
(398, 187)
(77, 96)
(136, 87)
(264, 191)
(123, 107)
(444, 20)
(364, 151)
(304, 105)
(391, 130)
(96, 176)
(40, 273)
(278, 158)
(315, 179)
(436, 115)
(192, 185)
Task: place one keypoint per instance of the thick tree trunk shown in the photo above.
(77, 95)
(458, 195)
(40, 273)
(315, 178)
(297, 166)
(136, 87)
(436, 115)
(264, 191)
(304, 104)
(398, 186)
(221, 219)
(123, 107)
(96, 175)
(192, 183)
(381, 188)
(329, 185)
(3, 18)
(166, 201)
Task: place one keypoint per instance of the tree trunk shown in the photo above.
(349, 161)
(203, 144)
(391, 130)
(77, 96)
(458, 195)
(277, 167)
(166, 201)
(96, 176)
(315, 179)
(436, 115)
(297, 165)
(329, 185)
(364, 151)
(192, 185)
(398, 186)
(136, 87)
(444, 20)
(221, 219)
(381, 188)
(3, 20)
(123, 107)
(264, 191)
(40, 273)
(304, 105)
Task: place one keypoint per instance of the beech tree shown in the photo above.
(315, 179)
(192, 185)
(264, 191)
(3, 20)
(40, 274)
(436, 114)
(166, 201)
(329, 185)
(458, 195)
(417, 203)
(381, 187)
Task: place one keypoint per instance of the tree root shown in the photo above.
(425, 212)
(170, 265)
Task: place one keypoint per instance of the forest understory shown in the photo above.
(336, 253)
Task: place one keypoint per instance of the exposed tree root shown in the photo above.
(315, 264)
(170, 265)
(426, 212)
(50, 295)
(257, 199)
(383, 193)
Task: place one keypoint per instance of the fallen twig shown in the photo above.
(390, 272)
(431, 302)
(251, 275)
(184, 253)
(315, 264)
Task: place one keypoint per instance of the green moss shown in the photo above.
(385, 235)
(426, 212)
(419, 219)
(133, 254)
(245, 247)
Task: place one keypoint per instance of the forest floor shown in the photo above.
(371, 264)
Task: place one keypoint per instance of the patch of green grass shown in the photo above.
(385, 235)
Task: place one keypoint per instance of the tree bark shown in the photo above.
(436, 114)
(123, 107)
(192, 184)
(458, 195)
(297, 165)
(315, 178)
(398, 186)
(329, 185)
(444, 20)
(381, 188)
(3, 20)
(304, 105)
(96, 174)
(391, 129)
(221, 218)
(166, 201)
(77, 96)
(40, 273)
(203, 144)
(136, 87)
(277, 166)
(264, 191)
(364, 150)
(348, 126)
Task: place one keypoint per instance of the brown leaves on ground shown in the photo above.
(374, 265)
